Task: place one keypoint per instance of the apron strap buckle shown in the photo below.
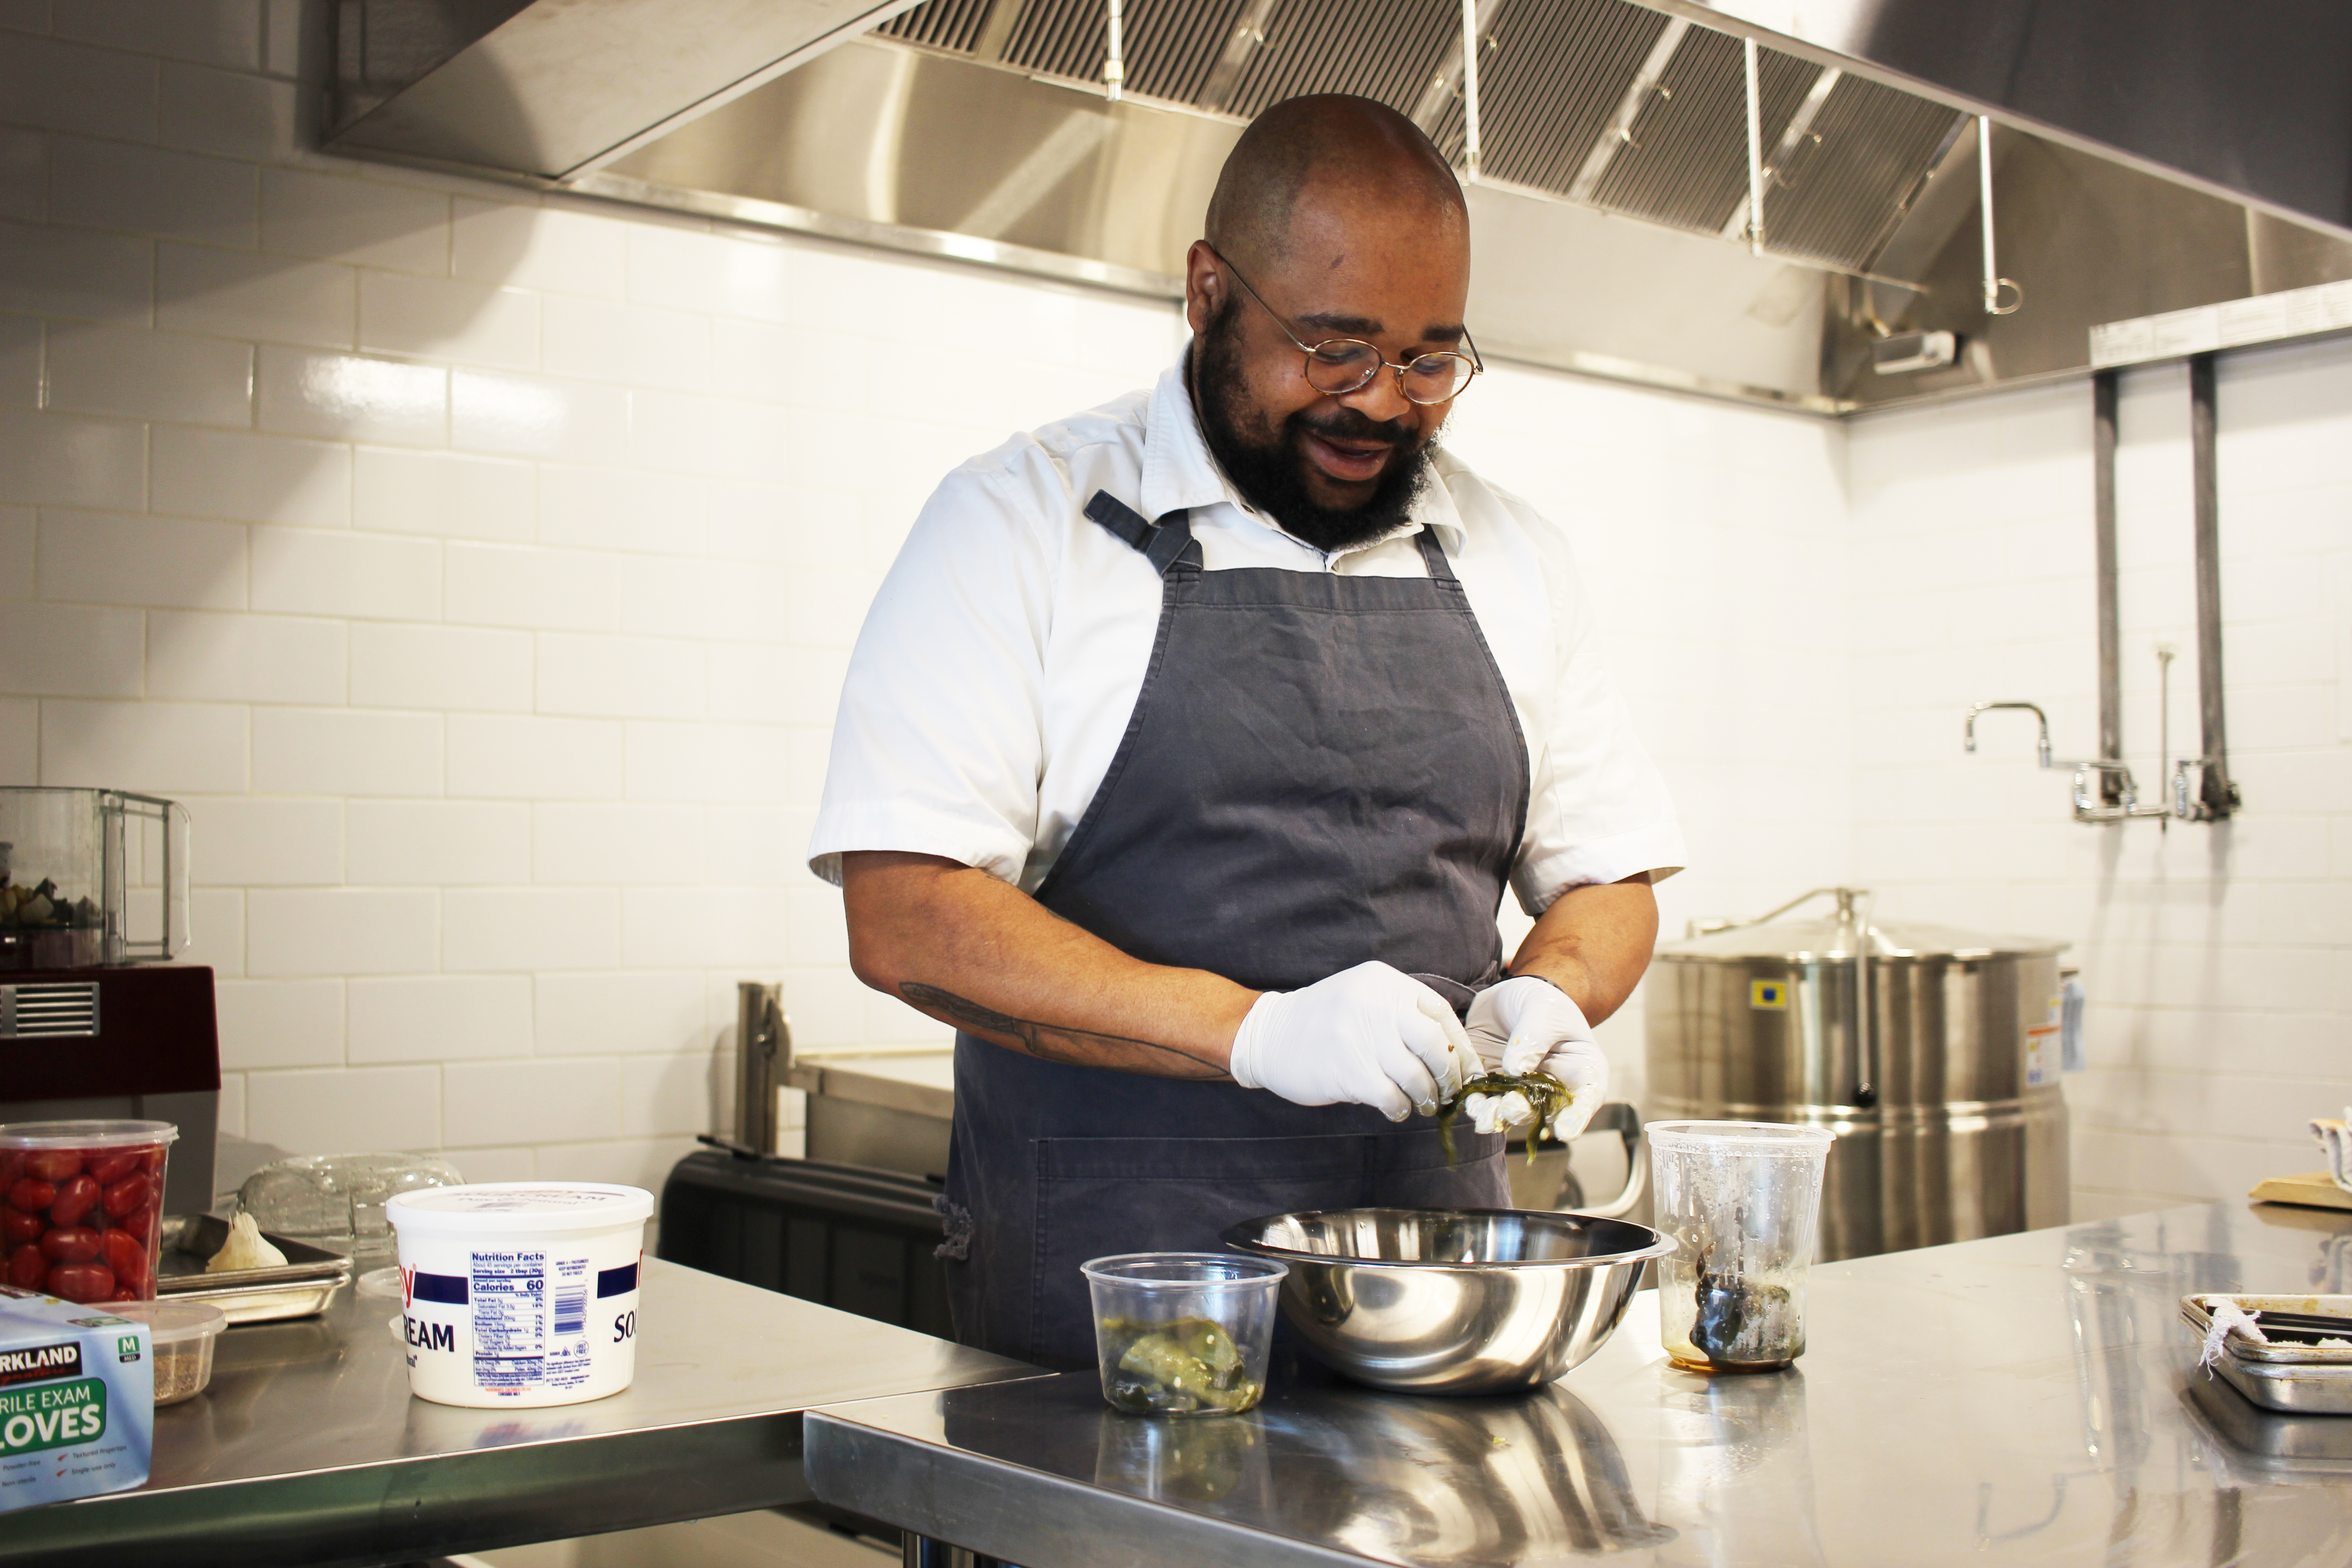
(1162, 543)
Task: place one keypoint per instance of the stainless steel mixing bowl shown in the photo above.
(1452, 1300)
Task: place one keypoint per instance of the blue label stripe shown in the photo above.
(447, 1288)
(616, 1281)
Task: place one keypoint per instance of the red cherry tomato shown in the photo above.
(28, 1268)
(75, 1199)
(16, 1225)
(81, 1281)
(71, 1244)
(139, 1222)
(12, 1166)
(52, 1165)
(111, 1165)
(31, 1195)
(154, 1160)
(127, 1195)
(127, 1256)
(122, 1295)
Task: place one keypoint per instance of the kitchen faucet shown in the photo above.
(2042, 748)
(2089, 804)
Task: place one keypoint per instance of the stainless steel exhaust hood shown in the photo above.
(555, 87)
(1611, 190)
(2252, 102)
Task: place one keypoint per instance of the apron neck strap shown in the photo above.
(1434, 554)
(1162, 543)
(1171, 539)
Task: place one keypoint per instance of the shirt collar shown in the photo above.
(1180, 473)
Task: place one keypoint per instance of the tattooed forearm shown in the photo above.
(1056, 1043)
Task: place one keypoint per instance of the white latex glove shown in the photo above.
(1528, 1025)
(1368, 1036)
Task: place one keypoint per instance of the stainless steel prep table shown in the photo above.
(308, 1449)
(2023, 1400)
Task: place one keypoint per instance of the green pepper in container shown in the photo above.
(1184, 1334)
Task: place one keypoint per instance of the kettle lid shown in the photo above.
(1805, 941)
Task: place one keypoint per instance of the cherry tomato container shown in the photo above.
(81, 1205)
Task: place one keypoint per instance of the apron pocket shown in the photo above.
(1410, 1171)
(1097, 1197)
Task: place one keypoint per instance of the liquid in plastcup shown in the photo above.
(1742, 1200)
(520, 1294)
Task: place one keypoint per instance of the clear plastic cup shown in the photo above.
(183, 1333)
(1742, 1200)
(1184, 1334)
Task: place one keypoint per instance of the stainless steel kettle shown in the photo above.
(1934, 1054)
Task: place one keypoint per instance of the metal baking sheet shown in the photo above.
(2194, 1312)
(303, 1285)
(2270, 1445)
(2298, 1379)
(2296, 1389)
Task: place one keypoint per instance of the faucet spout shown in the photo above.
(2042, 744)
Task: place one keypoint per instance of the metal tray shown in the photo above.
(309, 1276)
(2266, 1445)
(2300, 1380)
(2296, 1389)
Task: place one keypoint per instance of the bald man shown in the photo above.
(1191, 742)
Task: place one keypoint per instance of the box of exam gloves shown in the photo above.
(77, 1400)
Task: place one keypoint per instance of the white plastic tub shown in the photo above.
(520, 1293)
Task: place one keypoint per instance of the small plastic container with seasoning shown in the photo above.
(183, 1332)
(80, 1204)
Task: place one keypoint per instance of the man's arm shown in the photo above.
(1593, 943)
(987, 958)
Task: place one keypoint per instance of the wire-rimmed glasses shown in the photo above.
(1337, 366)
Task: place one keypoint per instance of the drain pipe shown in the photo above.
(2116, 798)
(2104, 386)
(2217, 796)
(1114, 51)
(1470, 149)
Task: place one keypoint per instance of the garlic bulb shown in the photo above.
(245, 1250)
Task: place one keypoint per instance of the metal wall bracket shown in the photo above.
(763, 1058)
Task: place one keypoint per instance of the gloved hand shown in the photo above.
(1528, 1025)
(1368, 1036)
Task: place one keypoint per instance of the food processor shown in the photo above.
(95, 1019)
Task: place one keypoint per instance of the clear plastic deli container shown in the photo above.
(80, 1203)
(1184, 1334)
(521, 1293)
(185, 1333)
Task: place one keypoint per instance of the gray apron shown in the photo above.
(1319, 770)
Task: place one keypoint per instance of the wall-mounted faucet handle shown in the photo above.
(2042, 744)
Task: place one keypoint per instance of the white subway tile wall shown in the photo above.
(1712, 541)
(478, 569)
(2217, 960)
(482, 570)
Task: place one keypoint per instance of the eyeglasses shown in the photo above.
(1337, 366)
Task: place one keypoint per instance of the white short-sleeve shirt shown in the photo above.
(997, 669)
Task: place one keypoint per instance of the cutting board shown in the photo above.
(2313, 1189)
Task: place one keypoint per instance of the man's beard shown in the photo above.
(1269, 477)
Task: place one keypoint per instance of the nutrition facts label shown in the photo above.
(509, 1307)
